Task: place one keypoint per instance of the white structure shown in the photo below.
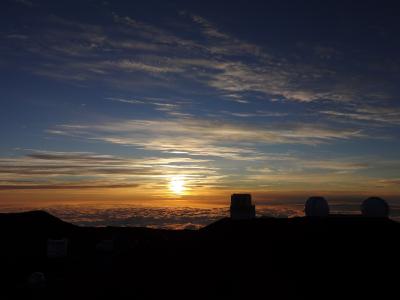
(375, 207)
(316, 207)
(241, 207)
(57, 248)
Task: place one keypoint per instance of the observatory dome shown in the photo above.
(375, 207)
(316, 207)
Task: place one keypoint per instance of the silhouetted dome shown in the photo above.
(375, 207)
(316, 207)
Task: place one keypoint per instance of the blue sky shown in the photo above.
(269, 97)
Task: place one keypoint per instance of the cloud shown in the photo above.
(210, 146)
(65, 186)
(315, 172)
(295, 164)
(74, 156)
(152, 34)
(171, 107)
(155, 217)
(395, 181)
(180, 217)
(131, 65)
(41, 170)
(367, 113)
(258, 113)
(335, 165)
(131, 54)
(205, 137)
(209, 29)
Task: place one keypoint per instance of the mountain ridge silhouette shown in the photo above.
(283, 258)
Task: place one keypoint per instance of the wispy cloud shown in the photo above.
(130, 49)
(171, 107)
(83, 170)
(205, 137)
(394, 182)
(367, 113)
(65, 186)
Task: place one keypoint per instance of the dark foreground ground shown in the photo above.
(340, 257)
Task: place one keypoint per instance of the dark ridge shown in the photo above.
(30, 216)
(38, 221)
(337, 257)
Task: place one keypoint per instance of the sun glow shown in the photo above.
(177, 185)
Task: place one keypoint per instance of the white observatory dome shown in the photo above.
(316, 207)
(375, 207)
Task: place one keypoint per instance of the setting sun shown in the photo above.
(177, 185)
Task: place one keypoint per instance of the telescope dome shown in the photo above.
(316, 207)
(375, 207)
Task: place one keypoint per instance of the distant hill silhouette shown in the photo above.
(39, 220)
(338, 257)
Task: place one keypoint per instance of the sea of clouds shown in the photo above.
(172, 217)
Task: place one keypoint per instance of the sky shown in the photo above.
(174, 103)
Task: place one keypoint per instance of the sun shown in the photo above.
(177, 185)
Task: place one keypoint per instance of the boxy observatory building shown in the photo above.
(241, 207)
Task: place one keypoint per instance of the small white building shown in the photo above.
(241, 207)
(57, 248)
